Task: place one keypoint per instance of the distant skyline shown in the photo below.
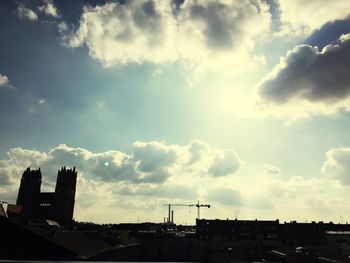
(243, 105)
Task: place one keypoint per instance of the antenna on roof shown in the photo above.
(236, 213)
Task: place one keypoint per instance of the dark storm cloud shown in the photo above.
(310, 74)
(329, 33)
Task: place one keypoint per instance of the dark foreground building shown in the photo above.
(57, 206)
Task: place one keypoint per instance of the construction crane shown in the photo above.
(171, 212)
(198, 205)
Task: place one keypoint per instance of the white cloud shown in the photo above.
(118, 192)
(308, 82)
(150, 162)
(26, 13)
(292, 197)
(62, 27)
(49, 9)
(303, 17)
(4, 174)
(41, 101)
(337, 165)
(3, 80)
(225, 163)
(153, 174)
(23, 158)
(219, 36)
(118, 34)
(270, 169)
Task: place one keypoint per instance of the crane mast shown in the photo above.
(198, 205)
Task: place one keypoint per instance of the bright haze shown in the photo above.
(243, 105)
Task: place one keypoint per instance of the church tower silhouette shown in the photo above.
(63, 202)
(58, 206)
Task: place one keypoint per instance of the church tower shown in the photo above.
(63, 203)
(30, 185)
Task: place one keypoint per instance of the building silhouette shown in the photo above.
(57, 206)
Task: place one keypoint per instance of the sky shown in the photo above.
(240, 104)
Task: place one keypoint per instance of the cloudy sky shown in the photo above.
(241, 104)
